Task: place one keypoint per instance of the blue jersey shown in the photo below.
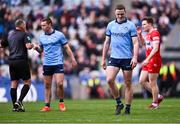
(52, 45)
(121, 34)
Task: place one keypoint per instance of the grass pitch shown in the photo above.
(93, 111)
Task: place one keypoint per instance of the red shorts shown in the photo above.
(153, 66)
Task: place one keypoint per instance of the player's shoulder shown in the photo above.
(129, 22)
(41, 35)
(111, 22)
(155, 32)
(59, 33)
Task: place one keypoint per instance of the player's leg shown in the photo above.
(23, 72)
(47, 92)
(143, 80)
(59, 77)
(13, 93)
(155, 90)
(111, 73)
(23, 93)
(14, 83)
(47, 77)
(128, 89)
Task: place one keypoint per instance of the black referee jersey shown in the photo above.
(16, 41)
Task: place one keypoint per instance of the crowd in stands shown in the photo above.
(83, 22)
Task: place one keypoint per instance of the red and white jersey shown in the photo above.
(150, 38)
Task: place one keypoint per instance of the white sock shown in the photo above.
(154, 104)
(159, 95)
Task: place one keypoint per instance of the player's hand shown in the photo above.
(133, 62)
(145, 62)
(103, 64)
(35, 46)
(139, 30)
(74, 63)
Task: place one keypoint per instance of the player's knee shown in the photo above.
(110, 81)
(128, 84)
(142, 82)
(27, 82)
(47, 85)
(60, 84)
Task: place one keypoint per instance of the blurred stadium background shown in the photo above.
(84, 23)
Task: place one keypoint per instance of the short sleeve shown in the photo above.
(108, 31)
(133, 31)
(40, 42)
(155, 36)
(27, 38)
(63, 39)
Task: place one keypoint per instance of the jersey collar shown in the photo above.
(124, 21)
(50, 33)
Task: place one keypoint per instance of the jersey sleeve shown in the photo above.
(108, 31)
(133, 31)
(27, 38)
(40, 42)
(63, 39)
(155, 36)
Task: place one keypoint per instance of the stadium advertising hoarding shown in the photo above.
(36, 92)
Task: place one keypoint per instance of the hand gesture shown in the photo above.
(74, 63)
(145, 62)
(133, 62)
(139, 30)
(103, 64)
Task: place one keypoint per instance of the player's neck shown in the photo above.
(50, 31)
(121, 20)
(20, 29)
(150, 30)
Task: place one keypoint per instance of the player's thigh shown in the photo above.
(47, 79)
(127, 76)
(111, 72)
(59, 78)
(143, 76)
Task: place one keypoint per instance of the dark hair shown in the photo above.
(148, 19)
(120, 7)
(19, 22)
(47, 20)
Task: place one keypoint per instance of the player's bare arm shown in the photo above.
(154, 50)
(135, 51)
(105, 50)
(140, 37)
(69, 52)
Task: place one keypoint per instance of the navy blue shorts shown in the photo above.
(52, 69)
(124, 64)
